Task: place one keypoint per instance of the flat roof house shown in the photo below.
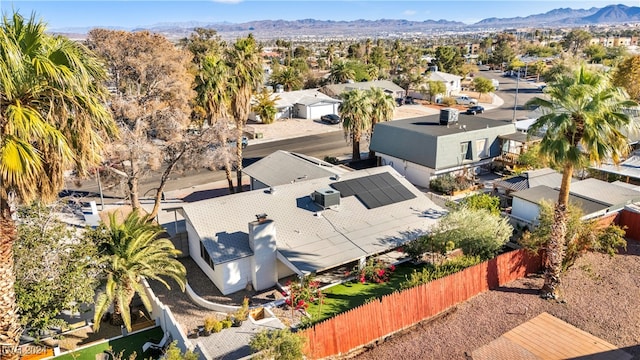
(389, 87)
(424, 147)
(595, 197)
(260, 236)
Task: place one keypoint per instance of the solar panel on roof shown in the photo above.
(374, 190)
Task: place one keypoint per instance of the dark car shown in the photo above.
(477, 109)
(330, 119)
(409, 101)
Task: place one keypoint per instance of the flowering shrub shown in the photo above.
(302, 293)
(375, 271)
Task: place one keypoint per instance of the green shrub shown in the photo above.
(174, 353)
(478, 201)
(226, 323)
(209, 323)
(243, 312)
(424, 244)
(448, 101)
(332, 160)
(279, 344)
(582, 236)
(432, 272)
(447, 183)
(217, 327)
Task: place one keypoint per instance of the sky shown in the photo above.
(130, 14)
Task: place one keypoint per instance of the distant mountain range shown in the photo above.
(612, 14)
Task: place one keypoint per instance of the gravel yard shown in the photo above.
(602, 297)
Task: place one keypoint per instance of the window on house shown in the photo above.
(204, 254)
(465, 151)
(481, 148)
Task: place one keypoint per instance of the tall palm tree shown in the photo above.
(212, 94)
(134, 250)
(341, 72)
(382, 107)
(355, 110)
(243, 58)
(583, 119)
(52, 117)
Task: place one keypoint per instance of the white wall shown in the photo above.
(416, 174)
(164, 317)
(234, 275)
(227, 277)
(262, 240)
(525, 210)
(283, 270)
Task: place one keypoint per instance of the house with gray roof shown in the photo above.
(302, 104)
(422, 148)
(284, 167)
(260, 236)
(629, 169)
(595, 197)
(529, 179)
(389, 87)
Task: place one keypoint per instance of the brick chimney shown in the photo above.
(262, 240)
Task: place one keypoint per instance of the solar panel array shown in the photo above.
(374, 190)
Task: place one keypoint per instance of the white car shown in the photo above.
(465, 100)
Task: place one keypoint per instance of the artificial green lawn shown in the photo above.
(128, 344)
(349, 295)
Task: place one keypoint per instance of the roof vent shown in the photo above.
(448, 116)
(326, 198)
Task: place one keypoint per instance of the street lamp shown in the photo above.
(515, 100)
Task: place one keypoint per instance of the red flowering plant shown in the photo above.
(374, 271)
(303, 292)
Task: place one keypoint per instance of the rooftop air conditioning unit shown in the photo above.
(448, 116)
(326, 198)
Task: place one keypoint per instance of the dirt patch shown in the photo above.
(601, 296)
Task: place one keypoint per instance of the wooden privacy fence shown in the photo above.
(397, 311)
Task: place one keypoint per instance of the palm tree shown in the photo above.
(355, 110)
(133, 250)
(288, 77)
(246, 75)
(265, 107)
(52, 118)
(212, 94)
(341, 72)
(382, 107)
(583, 119)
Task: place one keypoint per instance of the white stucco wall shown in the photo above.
(227, 277)
(416, 174)
(283, 270)
(236, 274)
(262, 240)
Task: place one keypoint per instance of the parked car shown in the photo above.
(466, 100)
(399, 101)
(409, 100)
(330, 119)
(477, 109)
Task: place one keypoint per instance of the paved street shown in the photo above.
(317, 139)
